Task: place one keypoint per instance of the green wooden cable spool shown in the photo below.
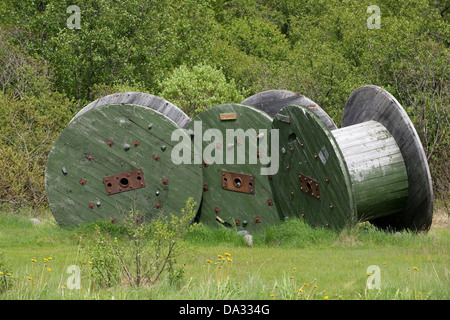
(115, 157)
(141, 99)
(371, 169)
(236, 192)
(272, 101)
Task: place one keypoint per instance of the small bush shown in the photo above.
(146, 251)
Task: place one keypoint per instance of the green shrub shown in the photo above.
(198, 88)
(28, 128)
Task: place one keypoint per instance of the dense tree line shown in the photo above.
(202, 53)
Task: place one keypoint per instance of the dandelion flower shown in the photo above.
(292, 277)
(415, 268)
(294, 269)
(49, 269)
(384, 263)
(49, 258)
(63, 287)
(209, 261)
(368, 274)
(45, 260)
(8, 274)
(300, 290)
(30, 278)
(315, 286)
(90, 262)
(220, 256)
(33, 260)
(229, 259)
(227, 254)
(305, 284)
(272, 295)
(325, 298)
(1, 273)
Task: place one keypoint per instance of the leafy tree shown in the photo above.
(198, 88)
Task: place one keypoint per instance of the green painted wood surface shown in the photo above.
(376, 167)
(374, 103)
(123, 124)
(235, 205)
(308, 147)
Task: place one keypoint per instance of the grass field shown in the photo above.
(291, 261)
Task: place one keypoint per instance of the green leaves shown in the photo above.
(198, 88)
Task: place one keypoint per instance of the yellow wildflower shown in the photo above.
(33, 260)
(315, 286)
(325, 298)
(220, 256)
(1, 273)
(209, 261)
(30, 278)
(415, 268)
(294, 268)
(305, 284)
(8, 274)
(292, 277)
(45, 260)
(227, 254)
(272, 295)
(229, 259)
(90, 262)
(300, 290)
(49, 269)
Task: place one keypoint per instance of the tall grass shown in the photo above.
(289, 261)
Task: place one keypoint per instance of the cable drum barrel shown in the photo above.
(370, 169)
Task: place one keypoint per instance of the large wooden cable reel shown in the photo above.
(141, 99)
(373, 168)
(272, 101)
(113, 157)
(236, 194)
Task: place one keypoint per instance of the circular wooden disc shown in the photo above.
(250, 206)
(116, 142)
(272, 101)
(374, 103)
(141, 99)
(313, 182)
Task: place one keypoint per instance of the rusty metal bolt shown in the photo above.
(257, 219)
(82, 182)
(269, 202)
(237, 222)
(110, 143)
(158, 205)
(165, 181)
(217, 210)
(156, 157)
(90, 157)
(112, 219)
(136, 143)
(205, 187)
(91, 205)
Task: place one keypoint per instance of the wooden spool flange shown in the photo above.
(108, 160)
(374, 103)
(141, 99)
(236, 193)
(356, 173)
(272, 101)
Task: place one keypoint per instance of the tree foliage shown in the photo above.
(201, 53)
